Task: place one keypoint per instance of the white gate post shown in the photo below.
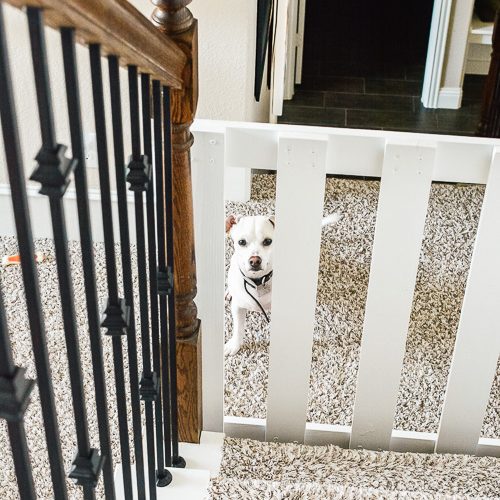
(208, 203)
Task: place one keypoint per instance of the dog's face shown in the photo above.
(253, 243)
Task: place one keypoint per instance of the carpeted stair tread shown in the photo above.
(299, 471)
(252, 489)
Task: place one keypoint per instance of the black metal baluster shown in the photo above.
(139, 177)
(30, 277)
(53, 172)
(115, 317)
(163, 278)
(163, 476)
(177, 461)
(116, 112)
(75, 125)
(15, 391)
(128, 289)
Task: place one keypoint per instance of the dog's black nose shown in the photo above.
(255, 261)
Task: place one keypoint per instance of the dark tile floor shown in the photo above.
(385, 101)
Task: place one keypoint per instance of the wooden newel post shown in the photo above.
(173, 18)
(489, 126)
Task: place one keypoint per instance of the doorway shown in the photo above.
(363, 67)
(368, 39)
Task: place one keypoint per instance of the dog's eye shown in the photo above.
(242, 243)
(267, 242)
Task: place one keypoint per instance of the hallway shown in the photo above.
(364, 66)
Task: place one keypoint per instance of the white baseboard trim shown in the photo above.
(40, 214)
(450, 98)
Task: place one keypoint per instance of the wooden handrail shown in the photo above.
(121, 30)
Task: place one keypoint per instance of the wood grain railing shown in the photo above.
(167, 52)
(120, 29)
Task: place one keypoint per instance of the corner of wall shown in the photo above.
(227, 32)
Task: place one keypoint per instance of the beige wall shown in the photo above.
(25, 96)
(226, 59)
(227, 53)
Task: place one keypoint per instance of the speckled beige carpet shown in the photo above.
(251, 470)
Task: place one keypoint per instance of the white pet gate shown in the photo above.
(407, 164)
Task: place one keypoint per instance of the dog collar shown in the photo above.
(258, 281)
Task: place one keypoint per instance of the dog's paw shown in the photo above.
(231, 347)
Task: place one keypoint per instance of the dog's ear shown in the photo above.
(231, 221)
(272, 220)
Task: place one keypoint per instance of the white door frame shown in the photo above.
(295, 46)
(301, 24)
(287, 67)
(291, 49)
(280, 57)
(435, 53)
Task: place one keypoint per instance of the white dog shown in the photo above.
(251, 270)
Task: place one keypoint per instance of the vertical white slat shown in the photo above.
(300, 41)
(208, 204)
(402, 207)
(477, 344)
(299, 208)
